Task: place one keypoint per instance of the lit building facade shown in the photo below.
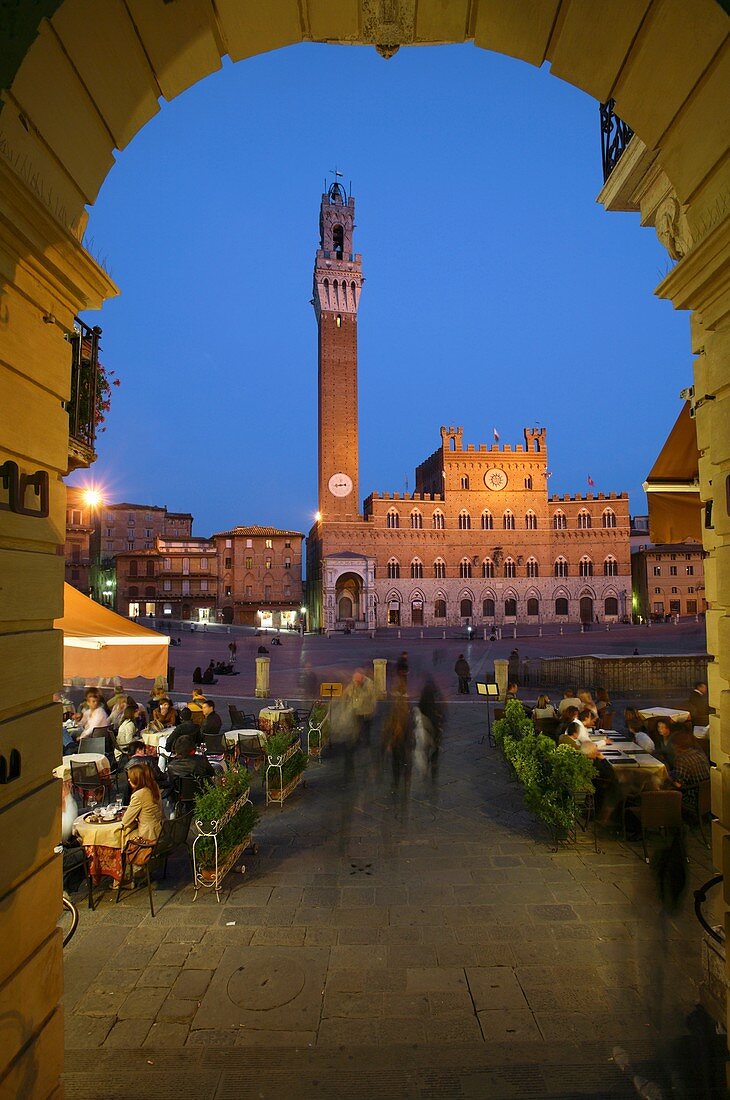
(260, 576)
(669, 580)
(480, 542)
(176, 579)
(79, 538)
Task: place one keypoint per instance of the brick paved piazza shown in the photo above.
(446, 951)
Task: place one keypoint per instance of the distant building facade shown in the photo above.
(669, 580)
(79, 538)
(260, 576)
(480, 542)
(129, 527)
(176, 579)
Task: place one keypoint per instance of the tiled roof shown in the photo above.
(269, 532)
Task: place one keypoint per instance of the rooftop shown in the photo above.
(269, 532)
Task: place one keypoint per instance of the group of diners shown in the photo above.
(587, 724)
(182, 747)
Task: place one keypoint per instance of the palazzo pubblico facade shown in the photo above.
(480, 542)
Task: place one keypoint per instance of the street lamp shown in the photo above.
(93, 499)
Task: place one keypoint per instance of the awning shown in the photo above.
(673, 486)
(99, 643)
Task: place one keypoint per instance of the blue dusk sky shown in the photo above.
(497, 293)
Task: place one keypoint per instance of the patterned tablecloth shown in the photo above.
(276, 718)
(103, 843)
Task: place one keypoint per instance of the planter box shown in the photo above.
(211, 877)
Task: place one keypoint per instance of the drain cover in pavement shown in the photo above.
(261, 985)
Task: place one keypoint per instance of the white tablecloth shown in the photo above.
(63, 771)
(665, 712)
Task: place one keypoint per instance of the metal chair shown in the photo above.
(660, 810)
(174, 835)
(697, 804)
(215, 744)
(185, 789)
(88, 781)
(250, 750)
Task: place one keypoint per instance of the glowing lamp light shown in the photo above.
(318, 517)
(92, 497)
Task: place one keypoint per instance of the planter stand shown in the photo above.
(316, 740)
(276, 763)
(212, 879)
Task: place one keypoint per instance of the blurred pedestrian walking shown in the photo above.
(463, 671)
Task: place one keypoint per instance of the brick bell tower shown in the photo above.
(337, 285)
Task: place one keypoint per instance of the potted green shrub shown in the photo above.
(286, 764)
(224, 818)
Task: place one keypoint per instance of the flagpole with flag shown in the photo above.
(591, 482)
(495, 433)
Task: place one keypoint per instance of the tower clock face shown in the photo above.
(495, 479)
(340, 485)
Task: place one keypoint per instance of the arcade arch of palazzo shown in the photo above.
(81, 84)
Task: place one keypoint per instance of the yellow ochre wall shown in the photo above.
(86, 80)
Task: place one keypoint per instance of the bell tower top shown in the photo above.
(336, 222)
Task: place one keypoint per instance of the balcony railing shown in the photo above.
(82, 404)
(615, 136)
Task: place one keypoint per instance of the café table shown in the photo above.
(635, 771)
(276, 718)
(151, 738)
(102, 842)
(672, 714)
(69, 806)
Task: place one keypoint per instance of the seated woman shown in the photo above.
(544, 708)
(636, 730)
(663, 741)
(127, 732)
(164, 716)
(588, 702)
(604, 708)
(142, 821)
(197, 675)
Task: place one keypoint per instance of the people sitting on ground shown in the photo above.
(690, 766)
(223, 669)
(544, 708)
(570, 699)
(186, 763)
(208, 676)
(142, 821)
(187, 727)
(588, 702)
(127, 732)
(276, 640)
(211, 720)
(138, 758)
(197, 675)
(164, 717)
(698, 705)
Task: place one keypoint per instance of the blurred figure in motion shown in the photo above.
(399, 741)
(308, 682)
(360, 697)
(401, 673)
(429, 726)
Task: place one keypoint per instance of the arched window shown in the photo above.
(585, 567)
(465, 482)
(465, 608)
(508, 521)
(609, 518)
(510, 569)
(393, 569)
(533, 569)
(438, 520)
(531, 521)
(560, 521)
(528, 482)
(487, 520)
(392, 519)
(464, 568)
(561, 606)
(533, 606)
(584, 519)
(416, 520)
(488, 608)
(510, 607)
(439, 609)
(133, 568)
(487, 568)
(610, 567)
(439, 569)
(338, 240)
(610, 606)
(464, 520)
(417, 569)
(561, 567)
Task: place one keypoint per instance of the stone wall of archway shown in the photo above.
(79, 85)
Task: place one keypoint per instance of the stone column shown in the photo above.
(262, 677)
(380, 676)
(500, 674)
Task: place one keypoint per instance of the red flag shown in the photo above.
(590, 480)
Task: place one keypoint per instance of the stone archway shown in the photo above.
(82, 83)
